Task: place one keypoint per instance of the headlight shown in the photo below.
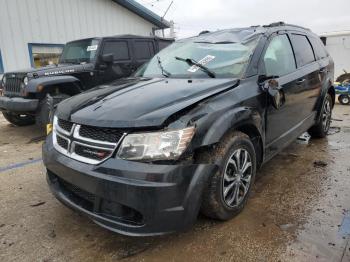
(25, 81)
(4, 80)
(156, 145)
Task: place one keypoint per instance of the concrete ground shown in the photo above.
(299, 211)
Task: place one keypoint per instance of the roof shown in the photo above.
(124, 36)
(143, 12)
(336, 33)
(236, 35)
(241, 35)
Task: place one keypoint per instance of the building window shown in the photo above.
(44, 54)
(1, 64)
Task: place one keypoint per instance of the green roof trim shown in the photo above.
(144, 12)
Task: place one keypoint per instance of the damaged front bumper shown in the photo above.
(130, 198)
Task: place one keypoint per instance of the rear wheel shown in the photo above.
(19, 119)
(344, 99)
(229, 188)
(321, 128)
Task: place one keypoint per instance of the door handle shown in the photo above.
(301, 81)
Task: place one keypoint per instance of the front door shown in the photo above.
(278, 60)
(122, 65)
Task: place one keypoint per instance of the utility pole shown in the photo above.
(166, 11)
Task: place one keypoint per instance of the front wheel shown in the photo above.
(19, 119)
(46, 106)
(229, 188)
(344, 99)
(321, 128)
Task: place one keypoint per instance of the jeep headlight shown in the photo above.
(25, 81)
(165, 145)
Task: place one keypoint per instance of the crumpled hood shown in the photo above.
(137, 102)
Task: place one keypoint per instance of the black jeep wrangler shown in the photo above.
(28, 95)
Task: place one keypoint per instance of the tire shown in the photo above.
(321, 128)
(216, 203)
(18, 119)
(344, 99)
(42, 117)
(44, 109)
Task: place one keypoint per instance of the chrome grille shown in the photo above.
(68, 140)
(65, 125)
(62, 142)
(13, 84)
(99, 133)
(92, 153)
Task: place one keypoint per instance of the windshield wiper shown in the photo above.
(192, 62)
(164, 72)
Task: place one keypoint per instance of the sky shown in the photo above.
(194, 16)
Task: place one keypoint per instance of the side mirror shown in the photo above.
(274, 90)
(107, 58)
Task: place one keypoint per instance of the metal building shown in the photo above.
(338, 45)
(33, 32)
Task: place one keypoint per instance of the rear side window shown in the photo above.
(302, 49)
(143, 49)
(119, 49)
(319, 48)
(279, 57)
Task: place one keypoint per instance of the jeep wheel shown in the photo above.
(320, 129)
(229, 188)
(18, 119)
(45, 106)
(344, 99)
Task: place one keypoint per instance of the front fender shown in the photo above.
(237, 118)
(50, 81)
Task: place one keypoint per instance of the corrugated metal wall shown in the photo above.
(339, 49)
(60, 21)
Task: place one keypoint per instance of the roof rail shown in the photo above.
(275, 24)
(204, 32)
(281, 23)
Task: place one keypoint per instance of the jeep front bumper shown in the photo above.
(18, 104)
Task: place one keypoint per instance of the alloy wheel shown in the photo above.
(237, 177)
(326, 115)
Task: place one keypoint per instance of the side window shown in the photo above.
(279, 57)
(143, 49)
(303, 50)
(319, 48)
(163, 44)
(119, 49)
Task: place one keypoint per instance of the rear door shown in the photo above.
(324, 61)
(144, 50)
(309, 79)
(122, 65)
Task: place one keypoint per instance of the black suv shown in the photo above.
(188, 132)
(28, 95)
